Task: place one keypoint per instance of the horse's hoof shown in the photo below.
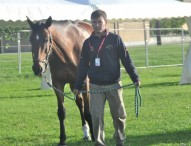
(88, 138)
(62, 144)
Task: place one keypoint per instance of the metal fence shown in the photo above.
(148, 48)
(156, 47)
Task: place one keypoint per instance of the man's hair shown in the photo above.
(99, 13)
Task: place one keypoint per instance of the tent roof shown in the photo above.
(37, 10)
(81, 9)
(151, 10)
(98, 2)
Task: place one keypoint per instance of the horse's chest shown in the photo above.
(63, 73)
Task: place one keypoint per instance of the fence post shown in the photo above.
(19, 51)
(182, 46)
(146, 45)
(2, 49)
(158, 32)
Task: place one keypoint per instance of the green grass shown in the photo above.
(28, 115)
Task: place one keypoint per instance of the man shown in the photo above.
(100, 61)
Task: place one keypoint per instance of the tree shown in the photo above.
(9, 30)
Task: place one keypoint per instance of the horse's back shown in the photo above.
(85, 26)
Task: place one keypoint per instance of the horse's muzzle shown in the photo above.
(37, 69)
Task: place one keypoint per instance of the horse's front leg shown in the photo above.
(61, 113)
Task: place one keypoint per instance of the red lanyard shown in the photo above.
(100, 46)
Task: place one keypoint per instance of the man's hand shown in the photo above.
(76, 91)
(138, 83)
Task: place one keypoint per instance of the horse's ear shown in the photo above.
(30, 22)
(48, 22)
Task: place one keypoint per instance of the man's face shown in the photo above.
(98, 24)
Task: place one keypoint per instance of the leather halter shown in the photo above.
(49, 52)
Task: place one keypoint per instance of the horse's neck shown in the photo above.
(66, 47)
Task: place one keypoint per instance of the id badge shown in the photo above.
(97, 61)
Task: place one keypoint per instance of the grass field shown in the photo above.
(28, 115)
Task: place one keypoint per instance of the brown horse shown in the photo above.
(59, 44)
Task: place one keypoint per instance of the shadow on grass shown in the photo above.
(174, 138)
(78, 143)
(146, 140)
(169, 138)
(155, 139)
(34, 89)
(163, 84)
(12, 96)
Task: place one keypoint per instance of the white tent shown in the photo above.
(37, 10)
(186, 72)
(81, 9)
(140, 9)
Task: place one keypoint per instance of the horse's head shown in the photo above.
(41, 41)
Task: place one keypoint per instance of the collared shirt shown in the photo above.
(111, 53)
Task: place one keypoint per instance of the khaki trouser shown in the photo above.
(117, 109)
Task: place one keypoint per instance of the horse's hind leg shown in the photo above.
(86, 97)
(87, 114)
(81, 106)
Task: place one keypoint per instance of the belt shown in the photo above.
(104, 84)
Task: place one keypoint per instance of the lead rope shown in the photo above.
(138, 98)
(64, 94)
(138, 101)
